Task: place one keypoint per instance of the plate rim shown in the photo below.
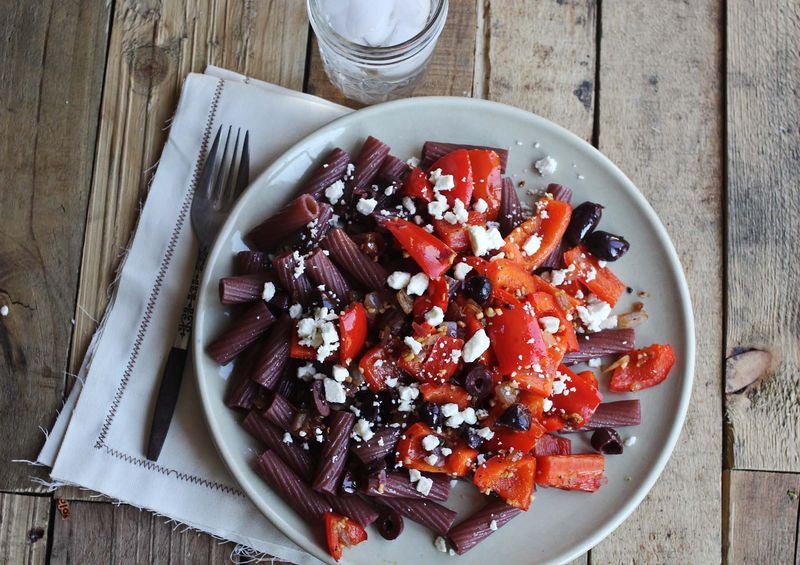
(621, 513)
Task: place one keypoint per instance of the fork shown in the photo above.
(223, 178)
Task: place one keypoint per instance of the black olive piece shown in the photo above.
(582, 222)
(390, 524)
(366, 401)
(431, 414)
(517, 417)
(473, 439)
(478, 288)
(606, 246)
(478, 382)
(318, 399)
(607, 440)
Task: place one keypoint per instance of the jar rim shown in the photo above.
(389, 54)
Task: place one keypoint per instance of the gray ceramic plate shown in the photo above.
(559, 525)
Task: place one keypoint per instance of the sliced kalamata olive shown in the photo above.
(478, 382)
(318, 398)
(607, 440)
(471, 436)
(386, 403)
(606, 246)
(431, 414)
(582, 222)
(390, 524)
(453, 286)
(517, 417)
(479, 288)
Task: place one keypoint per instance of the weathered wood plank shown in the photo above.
(660, 121)
(449, 72)
(762, 517)
(51, 70)
(23, 528)
(99, 532)
(541, 57)
(763, 307)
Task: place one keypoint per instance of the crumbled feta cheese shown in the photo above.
(340, 373)
(334, 192)
(547, 404)
(366, 206)
(485, 433)
(319, 333)
(630, 441)
(417, 285)
(412, 162)
(481, 413)
(546, 166)
(398, 280)
(434, 316)
(334, 391)
(558, 276)
(455, 355)
(480, 459)
(295, 311)
(560, 384)
(476, 346)
(431, 459)
(455, 420)
(590, 274)
(363, 429)
(532, 245)
(351, 168)
(446, 451)
(594, 313)
(493, 525)
(596, 362)
(414, 475)
(479, 240)
(268, 292)
(440, 544)
(407, 396)
(461, 270)
(380, 441)
(408, 204)
(441, 182)
(299, 264)
(413, 344)
(602, 264)
(468, 415)
(430, 442)
(438, 207)
(459, 215)
(609, 323)
(480, 206)
(550, 324)
(306, 372)
(287, 437)
(449, 409)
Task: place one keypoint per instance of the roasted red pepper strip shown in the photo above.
(549, 444)
(342, 532)
(511, 478)
(599, 280)
(456, 236)
(645, 368)
(571, 472)
(548, 225)
(412, 454)
(435, 362)
(378, 365)
(352, 333)
(433, 256)
(575, 397)
(445, 393)
(515, 335)
(487, 179)
(418, 186)
(457, 164)
(437, 294)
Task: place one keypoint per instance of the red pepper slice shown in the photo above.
(378, 365)
(511, 478)
(578, 400)
(435, 362)
(342, 532)
(412, 454)
(600, 280)
(352, 333)
(549, 225)
(571, 472)
(456, 236)
(457, 164)
(645, 368)
(437, 294)
(418, 186)
(521, 441)
(433, 256)
(445, 393)
(549, 444)
(487, 179)
(515, 335)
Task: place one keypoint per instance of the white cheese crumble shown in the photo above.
(461, 270)
(485, 432)
(306, 372)
(630, 441)
(340, 374)
(398, 280)
(414, 475)
(532, 245)
(441, 182)
(430, 442)
(268, 292)
(319, 333)
(438, 207)
(412, 162)
(449, 409)
(417, 285)
(493, 525)
(287, 437)
(459, 215)
(476, 346)
(363, 429)
(596, 362)
(483, 240)
(366, 206)
(334, 391)
(550, 324)
(547, 404)
(300, 264)
(480, 206)
(407, 396)
(409, 205)
(546, 166)
(468, 414)
(446, 451)
(431, 460)
(413, 344)
(440, 544)
(434, 316)
(295, 311)
(594, 314)
(334, 192)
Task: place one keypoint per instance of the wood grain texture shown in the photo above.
(99, 532)
(23, 528)
(540, 56)
(763, 306)
(762, 517)
(660, 121)
(449, 72)
(51, 71)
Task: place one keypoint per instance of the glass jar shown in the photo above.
(376, 74)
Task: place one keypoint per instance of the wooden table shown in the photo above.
(697, 101)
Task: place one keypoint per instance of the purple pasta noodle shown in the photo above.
(274, 352)
(334, 452)
(393, 170)
(244, 331)
(510, 214)
(241, 390)
(323, 272)
(244, 288)
(433, 516)
(331, 169)
(352, 506)
(279, 412)
(319, 228)
(556, 259)
(366, 164)
(290, 273)
(377, 447)
(251, 262)
(613, 415)
(599, 344)
(481, 525)
(399, 485)
(433, 150)
(285, 222)
(560, 192)
(299, 459)
(291, 488)
(347, 255)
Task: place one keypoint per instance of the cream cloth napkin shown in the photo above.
(99, 439)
